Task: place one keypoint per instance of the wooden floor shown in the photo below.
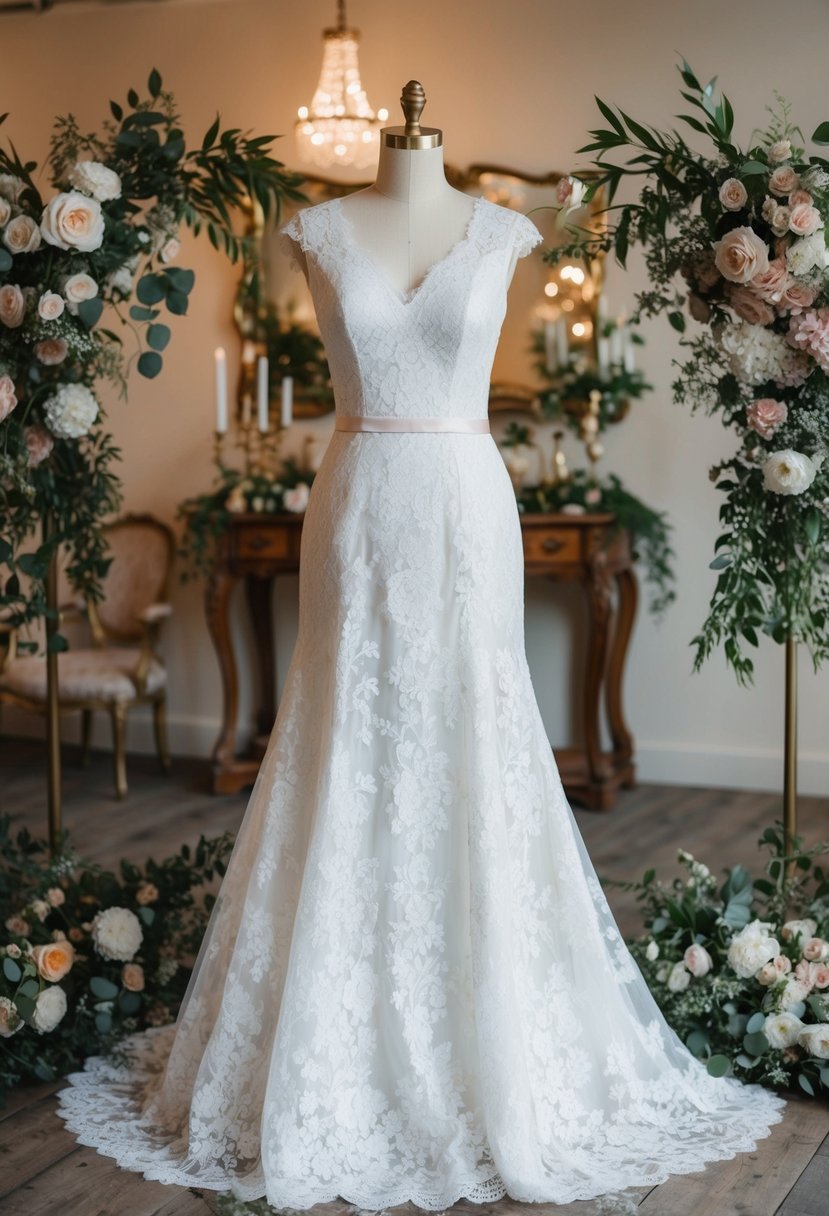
(43, 1171)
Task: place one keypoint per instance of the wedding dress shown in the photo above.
(411, 986)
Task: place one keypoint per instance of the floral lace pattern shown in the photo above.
(411, 986)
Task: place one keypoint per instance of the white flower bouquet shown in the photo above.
(94, 257)
(736, 239)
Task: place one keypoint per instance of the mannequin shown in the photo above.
(410, 218)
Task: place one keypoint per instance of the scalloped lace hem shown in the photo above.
(101, 1106)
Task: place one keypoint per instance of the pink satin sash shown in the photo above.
(471, 426)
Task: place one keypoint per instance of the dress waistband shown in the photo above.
(472, 426)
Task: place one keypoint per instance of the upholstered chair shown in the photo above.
(119, 666)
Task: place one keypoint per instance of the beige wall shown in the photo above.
(510, 83)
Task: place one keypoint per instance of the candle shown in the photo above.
(262, 393)
(603, 352)
(616, 351)
(630, 359)
(550, 346)
(561, 343)
(287, 400)
(221, 390)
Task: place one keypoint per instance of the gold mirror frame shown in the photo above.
(515, 387)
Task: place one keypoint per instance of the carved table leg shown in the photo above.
(598, 591)
(622, 738)
(217, 597)
(259, 605)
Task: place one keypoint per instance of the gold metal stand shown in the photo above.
(52, 708)
(790, 753)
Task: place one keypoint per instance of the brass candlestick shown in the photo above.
(560, 473)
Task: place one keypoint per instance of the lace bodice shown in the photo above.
(425, 352)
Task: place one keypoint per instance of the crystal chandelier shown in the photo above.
(339, 127)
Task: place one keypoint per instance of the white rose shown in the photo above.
(652, 952)
(779, 151)
(679, 978)
(816, 1040)
(782, 1029)
(733, 194)
(117, 934)
(22, 235)
(50, 1007)
(77, 288)
(120, 280)
(804, 255)
(11, 186)
(10, 1019)
(698, 960)
(788, 472)
(803, 928)
(793, 993)
(73, 221)
(96, 179)
(40, 909)
(751, 948)
(71, 411)
(5, 210)
(170, 249)
(50, 306)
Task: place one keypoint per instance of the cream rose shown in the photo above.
(96, 179)
(170, 249)
(800, 196)
(788, 472)
(783, 181)
(804, 219)
(816, 950)
(12, 305)
(8, 397)
(780, 220)
(40, 908)
(816, 1040)
(733, 194)
(698, 960)
(132, 977)
(782, 1030)
(741, 255)
(652, 951)
(51, 351)
(50, 306)
(77, 288)
(71, 411)
(5, 211)
(11, 186)
(782, 964)
(767, 975)
(39, 444)
(679, 978)
(765, 415)
(781, 150)
(55, 961)
(50, 1008)
(73, 221)
(55, 896)
(22, 235)
(10, 1019)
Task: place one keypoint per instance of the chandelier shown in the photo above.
(339, 127)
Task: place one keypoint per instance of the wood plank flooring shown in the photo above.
(44, 1172)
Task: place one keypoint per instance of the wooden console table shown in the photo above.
(583, 548)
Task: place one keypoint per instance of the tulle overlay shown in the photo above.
(411, 986)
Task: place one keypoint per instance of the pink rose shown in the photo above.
(51, 351)
(8, 397)
(39, 444)
(821, 976)
(765, 415)
(741, 255)
(814, 949)
(797, 298)
(770, 284)
(12, 305)
(50, 306)
(809, 331)
(782, 964)
(563, 190)
(733, 194)
(804, 219)
(699, 309)
(747, 305)
(800, 196)
(767, 975)
(783, 180)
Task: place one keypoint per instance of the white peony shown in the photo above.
(50, 1007)
(117, 934)
(71, 411)
(96, 179)
(788, 472)
(755, 355)
(751, 948)
(782, 1029)
(816, 1040)
(679, 978)
(73, 221)
(652, 952)
(698, 960)
(807, 254)
(793, 993)
(78, 287)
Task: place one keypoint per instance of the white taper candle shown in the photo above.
(221, 390)
(287, 400)
(262, 393)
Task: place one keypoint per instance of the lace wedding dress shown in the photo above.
(411, 986)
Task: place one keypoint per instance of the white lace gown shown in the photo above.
(411, 986)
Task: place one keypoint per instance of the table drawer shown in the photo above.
(257, 543)
(551, 544)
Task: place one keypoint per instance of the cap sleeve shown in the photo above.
(291, 237)
(525, 236)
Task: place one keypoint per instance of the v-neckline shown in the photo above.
(409, 296)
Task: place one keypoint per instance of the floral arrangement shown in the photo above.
(743, 982)
(206, 516)
(110, 231)
(89, 956)
(735, 239)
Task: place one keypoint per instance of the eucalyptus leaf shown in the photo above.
(103, 988)
(11, 970)
(718, 1065)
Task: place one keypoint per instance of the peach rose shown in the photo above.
(39, 444)
(17, 924)
(767, 975)
(22, 235)
(73, 221)
(12, 305)
(771, 283)
(75, 934)
(797, 297)
(765, 415)
(54, 961)
(780, 220)
(50, 306)
(147, 893)
(783, 180)
(800, 196)
(747, 305)
(132, 977)
(741, 255)
(733, 194)
(51, 351)
(8, 397)
(804, 219)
